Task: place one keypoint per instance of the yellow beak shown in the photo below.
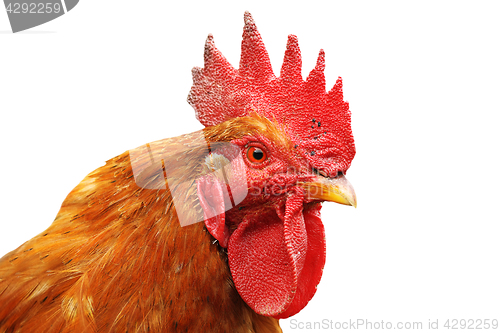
(337, 190)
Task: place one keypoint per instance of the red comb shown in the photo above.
(319, 123)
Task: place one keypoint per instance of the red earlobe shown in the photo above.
(211, 196)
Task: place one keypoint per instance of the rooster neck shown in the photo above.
(117, 259)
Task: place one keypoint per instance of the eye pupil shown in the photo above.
(258, 154)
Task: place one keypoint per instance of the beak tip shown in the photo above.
(354, 202)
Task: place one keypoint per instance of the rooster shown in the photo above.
(126, 253)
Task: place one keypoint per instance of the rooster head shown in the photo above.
(279, 147)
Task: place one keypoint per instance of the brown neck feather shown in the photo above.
(117, 259)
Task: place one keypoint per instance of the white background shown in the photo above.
(422, 80)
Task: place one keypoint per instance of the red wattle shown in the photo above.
(262, 269)
(273, 260)
(314, 262)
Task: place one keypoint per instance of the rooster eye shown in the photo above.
(256, 155)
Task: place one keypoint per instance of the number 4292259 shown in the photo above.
(479, 324)
(33, 8)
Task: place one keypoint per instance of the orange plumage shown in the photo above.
(116, 259)
(125, 253)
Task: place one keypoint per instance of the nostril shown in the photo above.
(339, 173)
(319, 172)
